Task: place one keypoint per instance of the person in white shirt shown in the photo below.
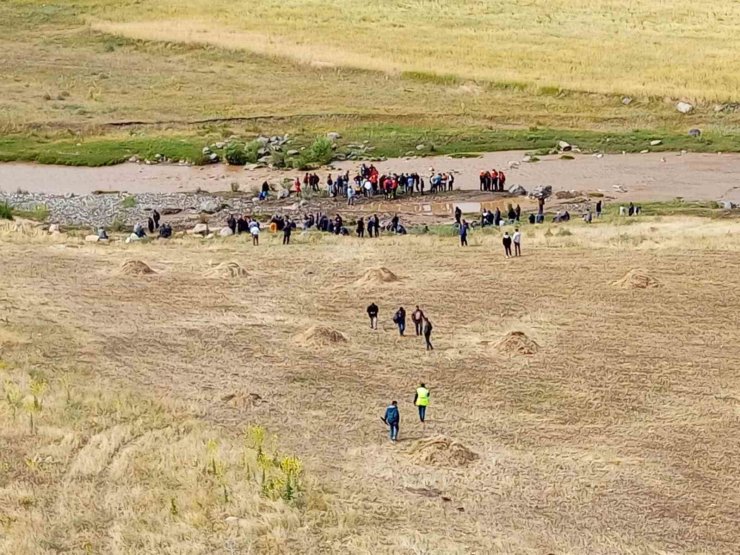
(517, 239)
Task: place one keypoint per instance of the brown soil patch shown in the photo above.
(135, 268)
(517, 343)
(226, 270)
(637, 279)
(441, 451)
(377, 275)
(320, 335)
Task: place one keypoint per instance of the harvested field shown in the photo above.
(617, 436)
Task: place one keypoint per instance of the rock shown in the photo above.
(684, 107)
(340, 157)
(92, 238)
(276, 140)
(644, 151)
(727, 205)
(213, 157)
(564, 146)
(283, 193)
(695, 132)
(225, 232)
(334, 136)
(231, 520)
(292, 152)
(599, 155)
(527, 158)
(420, 147)
(220, 145)
(656, 142)
(627, 100)
(210, 206)
(206, 151)
(134, 160)
(54, 228)
(517, 190)
(541, 192)
(513, 165)
(210, 236)
(263, 151)
(264, 160)
(200, 229)
(263, 140)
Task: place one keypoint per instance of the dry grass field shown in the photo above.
(305, 66)
(616, 434)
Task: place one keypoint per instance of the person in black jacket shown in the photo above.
(361, 228)
(400, 320)
(156, 217)
(507, 244)
(287, 230)
(417, 317)
(428, 333)
(372, 312)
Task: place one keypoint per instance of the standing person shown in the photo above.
(372, 312)
(464, 234)
(518, 212)
(507, 244)
(392, 419)
(150, 225)
(421, 400)
(400, 320)
(254, 230)
(450, 182)
(598, 209)
(231, 223)
(350, 195)
(517, 240)
(428, 333)
(361, 228)
(417, 317)
(156, 217)
(376, 225)
(287, 230)
(458, 215)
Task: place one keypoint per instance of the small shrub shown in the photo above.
(278, 159)
(236, 155)
(251, 151)
(6, 212)
(118, 225)
(129, 202)
(321, 152)
(234, 187)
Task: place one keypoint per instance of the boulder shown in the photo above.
(420, 147)
(627, 100)
(564, 146)
(726, 204)
(541, 192)
(200, 229)
(213, 157)
(656, 142)
(684, 107)
(54, 228)
(225, 232)
(92, 238)
(695, 132)
(263, 140)
(292, 152)
(334, 136)
(517, 190)
(513, 165)
(206, 151)
(283, 193)
(220, 145)
(210, 206)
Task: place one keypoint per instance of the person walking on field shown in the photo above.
(421, 400)
(287, 230)
(372, 312)
(517, 240)
(392, 419)
(400, 320)
(428, 333)
(417, 317)
(464, 233)
(507, 244)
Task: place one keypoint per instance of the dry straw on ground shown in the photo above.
(637, 279)
(441, 451)
(320, 336)
(377, 276)
(226, 270)
(517, 343)
(135, 268)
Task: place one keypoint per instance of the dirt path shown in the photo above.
(654, 176)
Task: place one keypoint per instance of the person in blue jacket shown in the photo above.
(392, 418)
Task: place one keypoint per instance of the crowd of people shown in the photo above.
(493, 180)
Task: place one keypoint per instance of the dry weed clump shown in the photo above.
(375, 276)
(517, 343)
(226, 270)
(320, 336)
(441, 451)
(637, 279)
(135, 268)
(242, 399)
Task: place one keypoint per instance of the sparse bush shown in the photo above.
(236, 155)
(234, 187)
(6, 212)
(251, 150)
(563, 232)
(278, 159)
(320, 153)
(129, 202)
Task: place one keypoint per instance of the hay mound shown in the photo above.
(242, 400)
(637, 279)
(226, 270)
(320, 335)
(377, 275)
(517, 343)
(135, 268)
(441, 451)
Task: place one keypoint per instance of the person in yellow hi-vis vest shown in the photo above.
(421, 400)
